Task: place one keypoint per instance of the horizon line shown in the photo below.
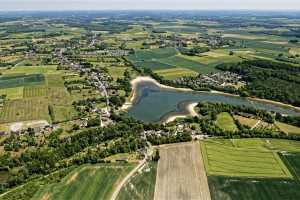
(152, 9)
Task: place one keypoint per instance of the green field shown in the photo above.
(116, 72)
(31, 69)
(238, 188)
(12, 93)
(87, 182)
(24, 109)
(175, 73)
(226, 122)
(228, 160)
(169, 58)
(21, 80)
(141, 186)
(153, 54)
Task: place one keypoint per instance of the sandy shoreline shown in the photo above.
(140, 79)
(191, 112)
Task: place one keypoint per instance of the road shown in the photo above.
(128, 177)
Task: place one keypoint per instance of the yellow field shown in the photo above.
(175, 73)
(294, 51)
(12, 93)
(286, 128)
(246, 121)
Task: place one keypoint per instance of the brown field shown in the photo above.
(181, 173)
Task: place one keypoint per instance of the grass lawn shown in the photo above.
(86, 182)
(141, 186)
(175, 73)
(227, 160)
(225, 122)
(286, 128)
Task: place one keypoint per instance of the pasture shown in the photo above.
(175, 73)
(86, 182)
(141, 186)
(226, 122)
(181, 173)
(228, 160)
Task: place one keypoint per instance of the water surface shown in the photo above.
(152, 103)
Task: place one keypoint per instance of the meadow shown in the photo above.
(86, 182)
(226, 122)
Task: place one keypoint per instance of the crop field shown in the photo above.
(246, 121)
(181, 173)
(21, 80)
(153, 54)
(286, 128)
(154, 65)
(64, 113)
(31, 69)
(87, 182)
(141, 186)
(238, 188)
(34, 91)
(24, 110)
(12, 93)
(225, 122)
(54, 80)
(227, 160)
(175, 73)
(116, 72)
(182, 62)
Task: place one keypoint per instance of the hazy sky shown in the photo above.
(147, 4)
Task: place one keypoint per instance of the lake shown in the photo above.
(153, 103)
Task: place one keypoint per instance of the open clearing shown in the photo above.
(181, 173)
(225, 122)
(234, 160)
(87, 182)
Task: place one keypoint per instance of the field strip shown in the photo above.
(181, 173)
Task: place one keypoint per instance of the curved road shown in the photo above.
(127, 178)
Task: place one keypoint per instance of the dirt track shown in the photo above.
(181, 174)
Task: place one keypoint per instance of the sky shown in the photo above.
(7, 5)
